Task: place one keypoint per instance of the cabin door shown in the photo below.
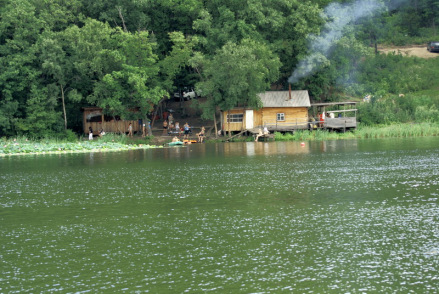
(249, 119)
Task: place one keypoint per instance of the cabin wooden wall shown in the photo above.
(257, 118)
(238, 126)
(295, 118)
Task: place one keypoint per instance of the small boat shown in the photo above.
(186, 141)
(175, 143)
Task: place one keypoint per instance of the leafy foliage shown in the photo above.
(57, 56)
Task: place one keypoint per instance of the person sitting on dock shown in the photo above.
(266, 132)
(260, 134)
(201, 135)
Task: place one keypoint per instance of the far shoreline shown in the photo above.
(114, 143)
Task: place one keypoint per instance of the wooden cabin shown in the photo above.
(281, 111)
(94, 117)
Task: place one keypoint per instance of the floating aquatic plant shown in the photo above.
(21, 146)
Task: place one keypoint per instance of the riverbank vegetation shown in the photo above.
(364, 132)
(60, 56)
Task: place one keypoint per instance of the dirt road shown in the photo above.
(419, 51)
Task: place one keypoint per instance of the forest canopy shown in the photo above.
(57, 56)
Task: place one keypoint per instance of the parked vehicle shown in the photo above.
(191, 94)
(186, 93)
(433, 46)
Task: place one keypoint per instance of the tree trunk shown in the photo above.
(121, 18)
(214, 122)
(63, 107)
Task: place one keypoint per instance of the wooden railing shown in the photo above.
(285, 126)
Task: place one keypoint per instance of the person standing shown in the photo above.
(171, 119)
(186, 129)
(177, 128)
(165, 126)
(149, 129)
(90, 133)
(130, 130)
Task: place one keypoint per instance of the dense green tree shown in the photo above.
(42, 118)
(284, 24)
(159, 18)
(177, 60)
(19, 30)
(237, 73)
(133, 81)
(58, 69)
(430, 14)
(117, 70)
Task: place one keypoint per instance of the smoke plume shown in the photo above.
(337, 16)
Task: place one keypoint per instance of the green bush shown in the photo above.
(427, 114)
(68, 136)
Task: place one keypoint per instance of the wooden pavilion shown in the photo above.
(94, 117)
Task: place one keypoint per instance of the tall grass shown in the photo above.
(364, 132)
(398, 130)
(317, 135)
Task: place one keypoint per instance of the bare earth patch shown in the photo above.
(419, 51)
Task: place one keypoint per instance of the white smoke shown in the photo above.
(337, 16)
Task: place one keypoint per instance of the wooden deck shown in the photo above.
(287, 127)
(340, 123)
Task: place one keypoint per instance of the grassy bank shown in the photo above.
(385, 131)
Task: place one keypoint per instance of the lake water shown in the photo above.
(275, 217)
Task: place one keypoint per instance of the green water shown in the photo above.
(277, 217)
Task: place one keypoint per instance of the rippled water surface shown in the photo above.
(329, 217)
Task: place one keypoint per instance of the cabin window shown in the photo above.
(280, 117)
(95, 116)
(235, 118)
